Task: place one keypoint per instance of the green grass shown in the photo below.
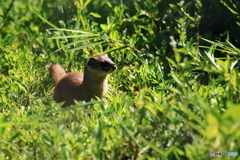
(171, 97)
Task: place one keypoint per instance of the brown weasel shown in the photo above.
(82, 86)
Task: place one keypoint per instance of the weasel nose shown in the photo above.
(114, 67)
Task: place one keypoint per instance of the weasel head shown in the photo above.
(100, 65)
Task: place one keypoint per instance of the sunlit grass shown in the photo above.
(182, 105)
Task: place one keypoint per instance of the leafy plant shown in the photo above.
(175, 94)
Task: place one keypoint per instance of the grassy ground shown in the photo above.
(169, 99)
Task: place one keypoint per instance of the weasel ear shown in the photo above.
(91, 60)
(106, 55)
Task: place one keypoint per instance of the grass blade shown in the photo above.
(88, 45)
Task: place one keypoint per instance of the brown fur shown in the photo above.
(57, 72)
(82, 86)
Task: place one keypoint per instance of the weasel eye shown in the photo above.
(106, 68)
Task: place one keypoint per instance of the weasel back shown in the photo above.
(67, 88)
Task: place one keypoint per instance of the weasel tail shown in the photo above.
(57, 72)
